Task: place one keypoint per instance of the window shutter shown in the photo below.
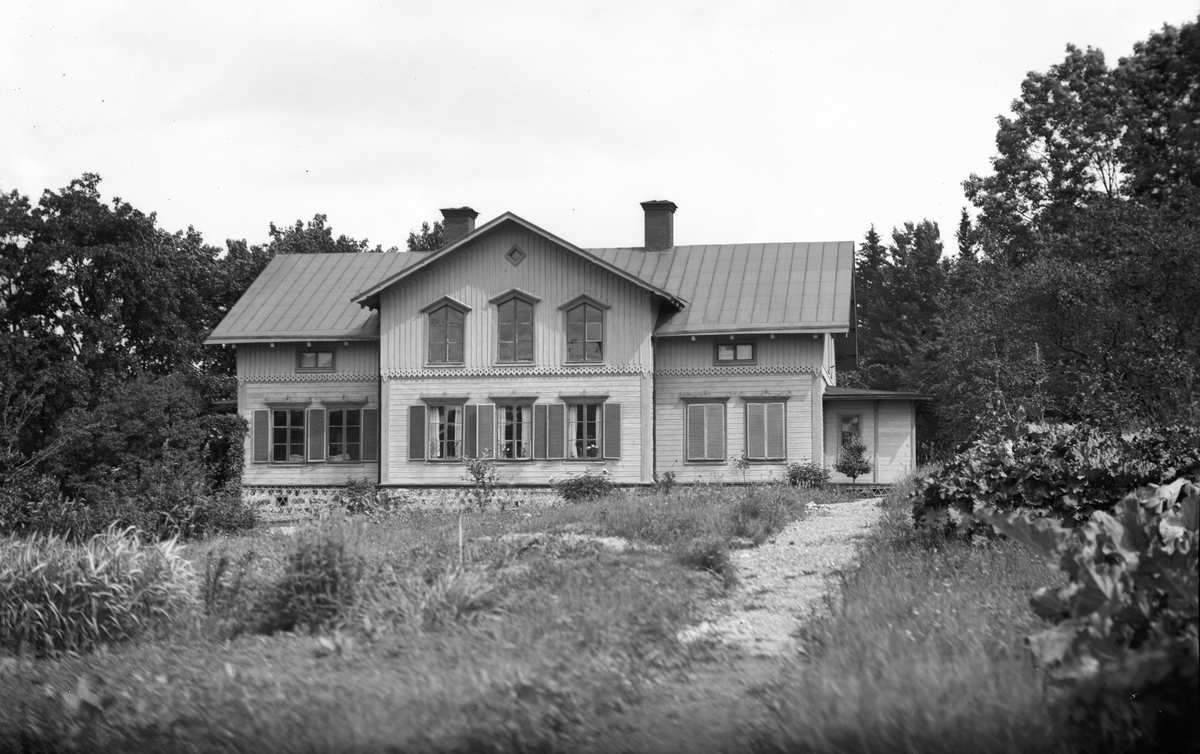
(556, 417)
(612, 430)
(470, 422)
(539, 430)
(487, 431)
(416, 433)
(695, 432)
(714, 424)
(262, 436)
(370, 434)
(756, 430)
(316, 434)
(776, 431)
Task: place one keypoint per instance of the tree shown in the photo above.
(431, 239)
(852, 461)
(315, 238)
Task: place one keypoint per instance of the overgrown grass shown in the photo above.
(922, 650)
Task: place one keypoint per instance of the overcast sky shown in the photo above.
(763, 121)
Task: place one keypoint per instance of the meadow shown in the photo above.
(547, 633)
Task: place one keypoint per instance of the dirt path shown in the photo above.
(714, 708)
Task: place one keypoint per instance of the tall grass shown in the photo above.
(56, 595)
(922, 650)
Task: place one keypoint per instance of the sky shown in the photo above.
(762, 120)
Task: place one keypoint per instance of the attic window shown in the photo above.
(314, 361)
(515, 256)
(734, 353)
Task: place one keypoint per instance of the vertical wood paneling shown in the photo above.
(260, 359)
(480, 272)
(784, 350)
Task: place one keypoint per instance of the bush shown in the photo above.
(322, 576)
(574, 489)
(761, 511)
(710, 554)
(1123, 651)
(809, 474)
(59, 596)
(1065, 471)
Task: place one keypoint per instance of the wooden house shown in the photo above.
(514, 344)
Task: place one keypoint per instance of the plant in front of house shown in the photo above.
(484, 478)
(586, 486)
(852, 461)
(809, 475)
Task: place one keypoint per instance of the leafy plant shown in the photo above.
(852, 461)
(710, 554)
(359, 497)
(60, 596)
(322, 575)
(585, 486)
(809, 474)
(664, 483)
(1123, 649)
(485, 477)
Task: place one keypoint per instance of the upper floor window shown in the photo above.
(735, 353)
(514, 335)
(585, 333)
(446, 335)
(314, 360)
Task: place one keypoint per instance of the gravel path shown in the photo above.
(783, 579)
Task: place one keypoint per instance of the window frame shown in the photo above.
(718, 344)
(289, 411)
(765, 402)
(532, 302)
(502, 406)
(432, 438)
(569, 439)
(316, 351)
(688, 402)
(841, 416)
(429, 310)
(578, 302)
(329, 428)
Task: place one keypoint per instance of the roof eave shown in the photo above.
(218, 340)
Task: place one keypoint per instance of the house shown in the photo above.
(514, 344)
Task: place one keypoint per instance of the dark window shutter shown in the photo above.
(416, 433)
(470, 420)
(556, 417)
(695, 432)
(539, 430)
(756, 430)
(316, 434)
(370, 434)
(487, 431)
(714, 425)
(612, 430)
(262, 436)
(776, 435)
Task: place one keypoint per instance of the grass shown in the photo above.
(546, 643)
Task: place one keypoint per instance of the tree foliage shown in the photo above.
(430, 239)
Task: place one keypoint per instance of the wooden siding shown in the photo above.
(784, 350)
(261, 360)
(889, 432)
(479, 273)
(628, 390)
(325, 393)
(670, 413)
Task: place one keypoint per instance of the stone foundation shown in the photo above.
(273, 504)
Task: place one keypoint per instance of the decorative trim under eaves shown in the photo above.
(446, 374)
(322, 377)
(718, 371)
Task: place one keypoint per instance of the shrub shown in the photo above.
(484, 477)
(322, 576)
(1123, 648)
(761, 511)
(359, 497)
(586, 486)
(664, 483)
(231, 591)
(809, 474)
(1065, 471)
(710, 554)
(852, 461)
(59, 596)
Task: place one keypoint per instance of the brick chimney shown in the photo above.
(456, 223)
(660, 224)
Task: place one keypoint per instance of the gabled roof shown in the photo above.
(307, 297)
(370, 296)
(761, 287)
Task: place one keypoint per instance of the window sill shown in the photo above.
(585, 363)
(510, 364)
(446, 365)
(315, 371)
(702, 462)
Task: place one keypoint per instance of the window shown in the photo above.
(446, 335)
(515, 431)
(705, 432)
(585, 333)
(514, 318)
(850, 426)
(765, 430)
(734, 353)
(445, 432)
(583, 430)
(315, 361)
(287, 436)
(345, 435)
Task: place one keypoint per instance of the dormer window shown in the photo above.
(514, 328)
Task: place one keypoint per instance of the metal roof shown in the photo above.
(761, 287)
(309, 297)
